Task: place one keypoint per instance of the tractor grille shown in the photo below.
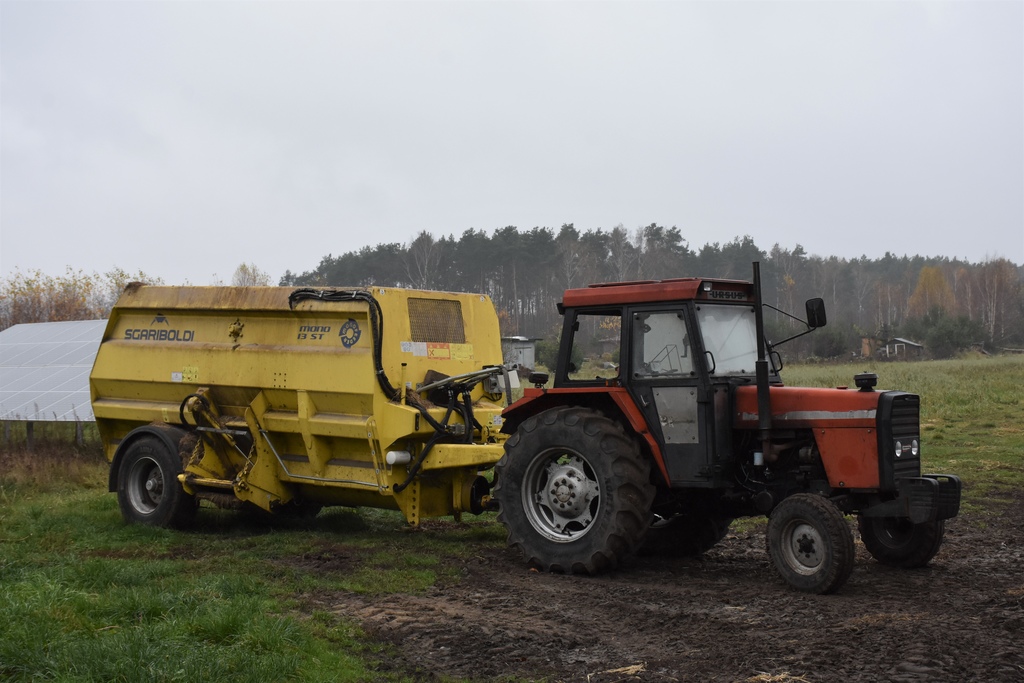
(899, 420)
(436, 320)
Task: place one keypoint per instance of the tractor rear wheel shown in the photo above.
(148, 490)
(810, 543)
(899, 542)
(574, 491)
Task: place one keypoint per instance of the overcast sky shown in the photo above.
(184, 138)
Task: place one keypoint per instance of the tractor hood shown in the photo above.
(802, 407)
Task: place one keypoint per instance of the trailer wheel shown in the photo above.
(899, 542)
(573, 491)
(684, 534)
(148, 490)
(810, 543)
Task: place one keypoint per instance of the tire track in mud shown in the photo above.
(723, 617)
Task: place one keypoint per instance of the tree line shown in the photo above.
(36, 297)
(947, 304)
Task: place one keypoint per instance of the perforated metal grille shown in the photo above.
(436, 320)
(905, 425)
(898, 420)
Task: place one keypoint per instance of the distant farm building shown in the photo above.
(521, 351)
(896, 348)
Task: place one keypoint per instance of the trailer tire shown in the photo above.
(899, 542)
(148, 491)
(574, 491)
(810, 543)
(684, 534)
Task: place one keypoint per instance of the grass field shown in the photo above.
(84, 597)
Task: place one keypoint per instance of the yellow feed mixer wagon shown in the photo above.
(292, 399)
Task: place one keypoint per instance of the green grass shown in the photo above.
(85, 597)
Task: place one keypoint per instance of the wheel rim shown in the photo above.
(145, 485)
(561, 495)
(803, 547)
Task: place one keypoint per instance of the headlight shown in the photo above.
(900, 449)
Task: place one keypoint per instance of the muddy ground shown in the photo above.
(724, 616)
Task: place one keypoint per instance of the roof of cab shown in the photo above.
(645, 291)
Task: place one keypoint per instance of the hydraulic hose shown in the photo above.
(465, 410)
(376, 325)
(440, 431)
(415, 468)
(184, 402)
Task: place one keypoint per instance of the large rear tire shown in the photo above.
(574, 491)
(148, 490)
(899, 542)
(810, 543)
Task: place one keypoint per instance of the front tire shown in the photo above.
(899, 542)
(810, 544)
(148, 491)
(574, 491)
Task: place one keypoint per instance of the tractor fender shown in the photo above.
(614, 402)
(169, 435)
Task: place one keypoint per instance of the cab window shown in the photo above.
(596, 339)
(730, 338)
(661, 347)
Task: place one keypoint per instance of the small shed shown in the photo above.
(521, 351)
(895, 348)
(899, 348)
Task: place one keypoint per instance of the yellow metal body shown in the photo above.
(287, 394)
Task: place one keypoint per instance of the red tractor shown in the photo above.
(688, 426)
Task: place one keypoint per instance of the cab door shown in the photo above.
(666, 382)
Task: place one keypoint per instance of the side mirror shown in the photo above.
(815, 313)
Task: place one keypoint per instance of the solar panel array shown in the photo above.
(44, 370)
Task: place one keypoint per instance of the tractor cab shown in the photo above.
(679, 348)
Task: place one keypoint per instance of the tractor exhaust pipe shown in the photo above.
(764, 407)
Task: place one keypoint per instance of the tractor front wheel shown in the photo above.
(148, 490)
(899, 542)
(573, 491)
(810, 543)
